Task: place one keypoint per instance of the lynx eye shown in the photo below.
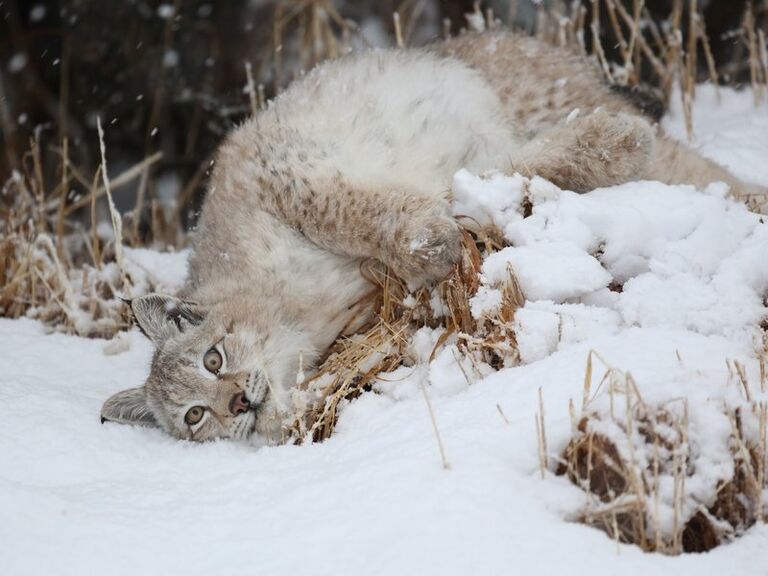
(194, 415)
(213, 360)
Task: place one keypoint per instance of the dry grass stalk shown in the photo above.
(687, 83)
(617, 32)
(95, 242)
(490, 20)
(763, 53)
(250, 88)
(597, 44)
(277, 47)
(670, 55)
(541, 436)
(310, 30)
(655, 60)
(742, 374)
(579, 19)
(62, 199)
(711, 68)
(435, 429)
(262, 97)
(755, 69)
(117, 221)
(122, 179)
(398, 30)
(691, 61)
(762, 356)
(632, 62)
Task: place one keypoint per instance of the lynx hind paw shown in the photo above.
(633, 133)
(427, 249)
(625, 140)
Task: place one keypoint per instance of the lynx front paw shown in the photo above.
(426, 249)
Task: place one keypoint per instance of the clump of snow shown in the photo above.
(475, 21)
(547, 271)
(166, 11)
(170, 58)
(17, 62)
(166, 272)
(37, 13)
(544, 326)
(491, 199)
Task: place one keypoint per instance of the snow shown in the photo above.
(37, 13)
(170, 58)
(731, 132)
(163, 270)
(664, 282)
(17, 62)
(85, 497)
(495, 198)
(548, 271)
(166, 11)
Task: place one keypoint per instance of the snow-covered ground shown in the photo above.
(78, 497)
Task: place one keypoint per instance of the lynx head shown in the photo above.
(210, 374)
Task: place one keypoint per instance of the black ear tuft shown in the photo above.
(128, 407)
(160, 317)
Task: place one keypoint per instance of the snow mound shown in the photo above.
(643, 254)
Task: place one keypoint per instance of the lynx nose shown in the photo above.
(239, 404)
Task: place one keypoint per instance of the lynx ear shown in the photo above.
(160, 317)
(128, 407)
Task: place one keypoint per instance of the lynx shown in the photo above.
(354, 162)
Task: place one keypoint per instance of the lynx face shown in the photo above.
(207, 379)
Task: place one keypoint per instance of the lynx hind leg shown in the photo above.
(587, 152)
(675, 163)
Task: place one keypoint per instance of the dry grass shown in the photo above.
(668, 54)
(355, 363)
(55, 268)
(623, 457)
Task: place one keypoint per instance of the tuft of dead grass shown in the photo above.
(627, 459)
(53, 266)
(355, 363)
